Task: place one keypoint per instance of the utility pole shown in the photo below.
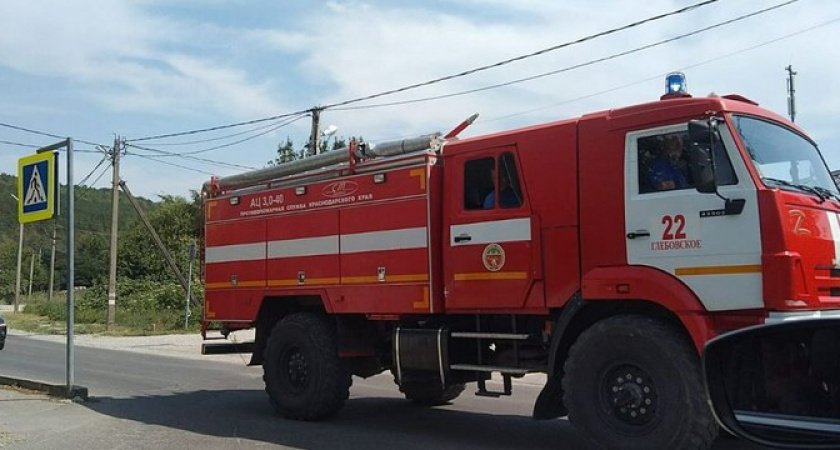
(315, 135)
(791, 94)
(32, 273)
(19, 263)
(115, 215)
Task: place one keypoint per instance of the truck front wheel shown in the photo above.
(634, 382)
(304, 377)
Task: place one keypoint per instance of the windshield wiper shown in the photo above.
(822, 193)
(827, 192)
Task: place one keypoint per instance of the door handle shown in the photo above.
(638, 234)
(463, 238)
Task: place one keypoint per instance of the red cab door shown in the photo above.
(489, 232)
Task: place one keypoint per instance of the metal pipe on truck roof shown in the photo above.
(338, 156)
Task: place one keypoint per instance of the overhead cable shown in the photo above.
(273, 128)
(43, 133)
(445, 78)
(659, 77)
(19, 144)
(573, 67)
(192, 169)
(193, 158)
(93, 170)
(522, 57)
(220, 127)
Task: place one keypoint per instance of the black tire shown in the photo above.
(431, 393)
(634, 382)
(304, 377)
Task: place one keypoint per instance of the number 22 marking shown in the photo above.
(670, 222)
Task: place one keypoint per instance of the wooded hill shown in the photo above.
(176, 218)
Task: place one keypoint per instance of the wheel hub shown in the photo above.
(631, 395)
(297, 368)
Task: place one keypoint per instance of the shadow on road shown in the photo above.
(246, 414)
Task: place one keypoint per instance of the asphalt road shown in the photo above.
(147, 401)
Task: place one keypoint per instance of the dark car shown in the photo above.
(2, 333)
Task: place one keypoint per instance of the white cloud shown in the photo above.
(121, 55)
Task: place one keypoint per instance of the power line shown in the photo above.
(19, 144)
(173, 164)
(230, 144)
(573, 67)
(529, 55)
(445, 78)
(92, 171)
(220, 127)
(657, 77)
(192, 158)
(219, 138)
(43, 133)
(101, 174)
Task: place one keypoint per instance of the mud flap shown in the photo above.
(550, 404)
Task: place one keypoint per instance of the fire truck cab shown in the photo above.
(603, 251)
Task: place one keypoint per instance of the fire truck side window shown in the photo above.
(478, 182)
(663, 163)
(510, 193)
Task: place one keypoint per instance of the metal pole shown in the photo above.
(115, 210)
(791, 94)
(52, 257)
(19, 264)
(71, 277)
(187, 312)
(31, 273)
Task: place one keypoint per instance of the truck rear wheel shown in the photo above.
(304, 377)
(634, 382)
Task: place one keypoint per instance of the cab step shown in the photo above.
(499, 336)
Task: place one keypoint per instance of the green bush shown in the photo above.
(142, 305)
(55, 310)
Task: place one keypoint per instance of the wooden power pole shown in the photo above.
(115, 215)
(315, 135)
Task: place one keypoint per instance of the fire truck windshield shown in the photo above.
(784, 158)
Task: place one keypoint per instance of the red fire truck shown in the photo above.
(603, 251)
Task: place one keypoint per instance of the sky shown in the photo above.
(93, 70)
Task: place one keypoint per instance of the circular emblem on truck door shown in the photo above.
(493, 257)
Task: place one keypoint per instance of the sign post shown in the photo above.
(38, 191)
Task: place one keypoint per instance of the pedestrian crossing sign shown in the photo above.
(36, 187)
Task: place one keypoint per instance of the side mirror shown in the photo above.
(700, 131)
(778, 385)
(702, 167)
(701, 162)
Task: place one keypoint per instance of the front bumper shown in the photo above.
(787, 316)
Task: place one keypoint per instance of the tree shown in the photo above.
(92, 250)
(286, 150)
(8, 268)
(177, 221)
